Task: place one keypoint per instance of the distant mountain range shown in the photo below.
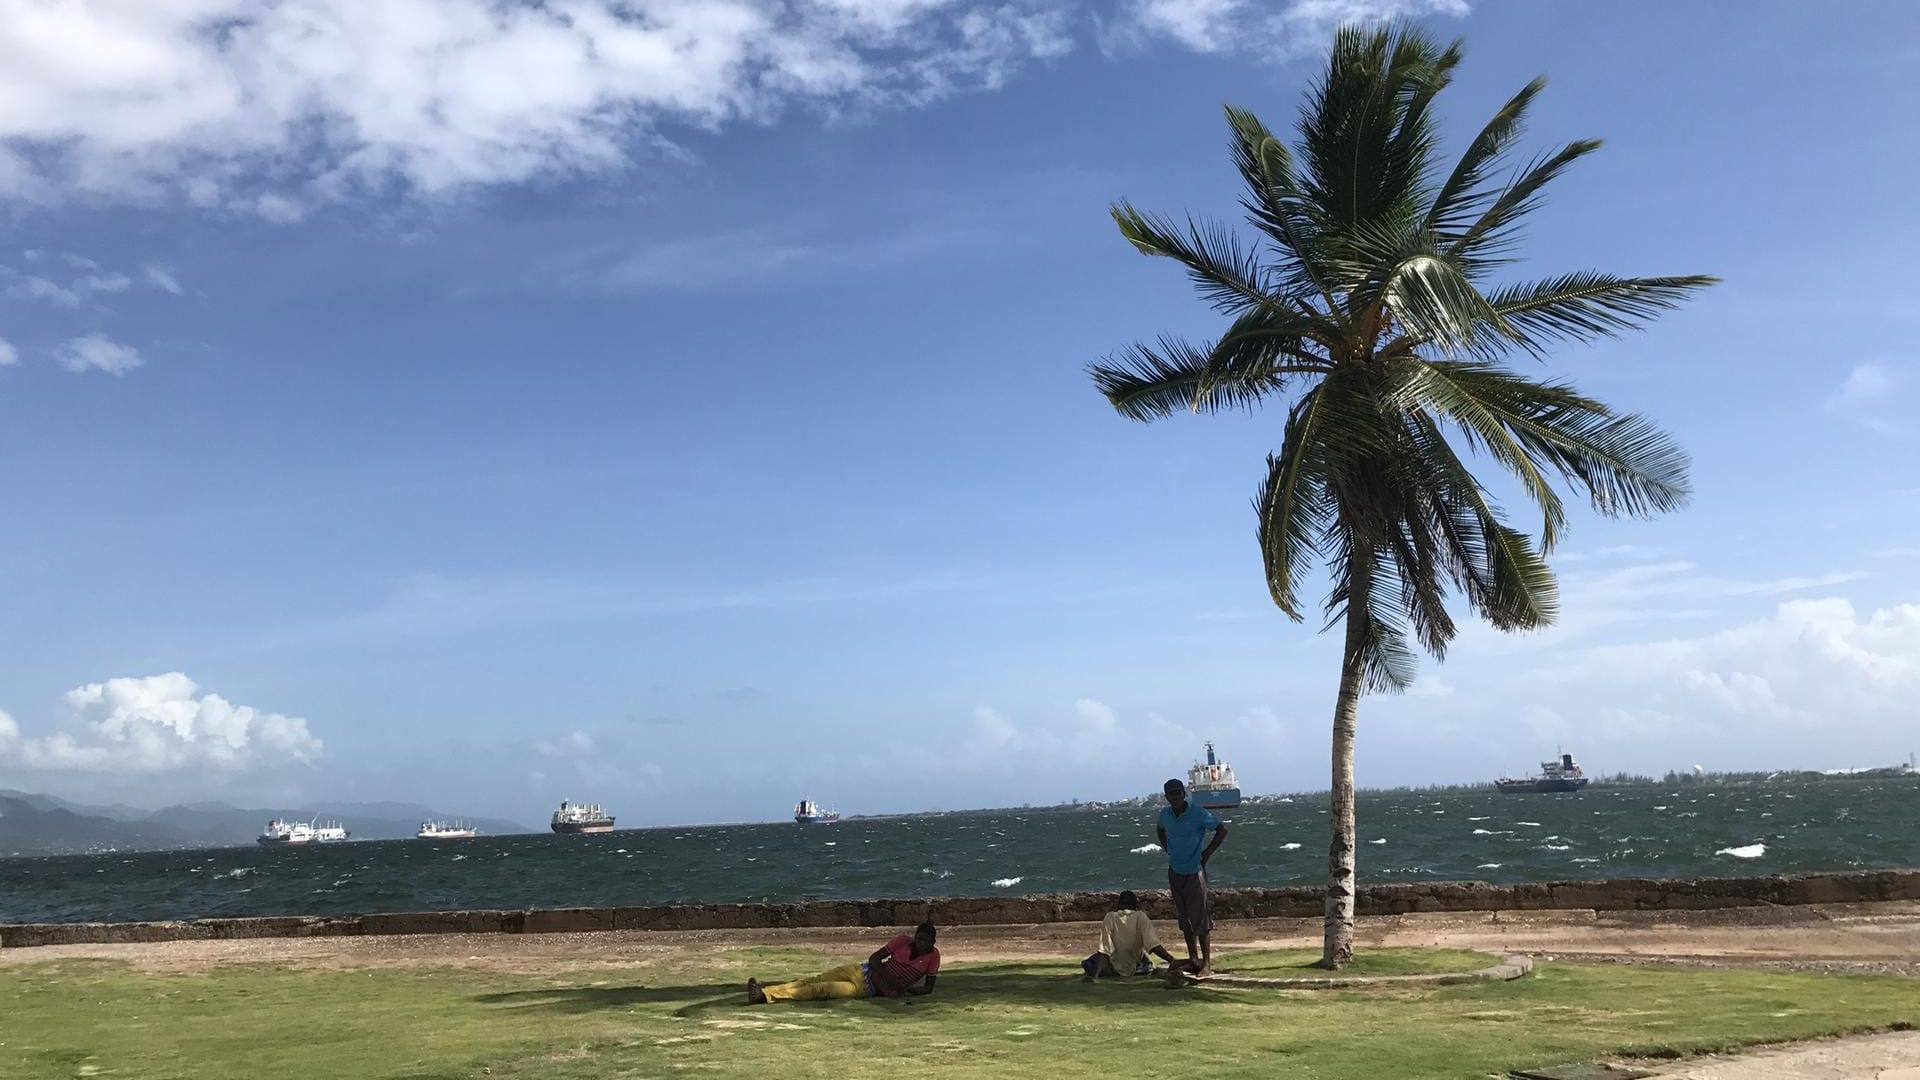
(44, 825)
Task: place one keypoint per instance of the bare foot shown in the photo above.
(754, 994)
(1204, 971)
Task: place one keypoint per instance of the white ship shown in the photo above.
(1212, 783)
(573, 817)
(446, 830)
(302, 832)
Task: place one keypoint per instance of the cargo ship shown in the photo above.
(1563, 774)
(1212, 783)
(575, 817)
(445, 830)
(808, 812)
(280, 832)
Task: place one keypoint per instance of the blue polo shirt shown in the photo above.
(1187, 836)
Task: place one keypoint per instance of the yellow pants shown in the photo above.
(841, 982)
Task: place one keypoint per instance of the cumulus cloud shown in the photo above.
(575, 743)
(1813, 679)
(205, 99)
(160, 723)
(98, 352)
(268, 106)
(1251, 26)
(9, 355)
(162, 277)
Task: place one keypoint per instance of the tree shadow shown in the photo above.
(585, 999)
(969, 989)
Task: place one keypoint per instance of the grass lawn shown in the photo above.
(257, 1022)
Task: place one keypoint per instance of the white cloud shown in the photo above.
(1251, 26)
(1884, 553)
(214, 102)
(98, 352)
(1870, 397)
(1812, 666)
(161, 723)
(34, 287)
(1866, 384)
(162, 277)
(269, 106)
(9, 355)
(574, 744)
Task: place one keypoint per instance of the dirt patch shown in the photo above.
(1846, 937)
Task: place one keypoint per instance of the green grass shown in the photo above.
(683, 1017)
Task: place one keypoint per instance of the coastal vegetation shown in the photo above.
(1365, 302)
(681, 1013)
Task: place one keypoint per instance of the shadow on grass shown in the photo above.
(956, 989)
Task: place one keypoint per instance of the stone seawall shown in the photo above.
(1618, 894)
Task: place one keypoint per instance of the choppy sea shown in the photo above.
(1649, 831)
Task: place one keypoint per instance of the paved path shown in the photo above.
(1892, 1056)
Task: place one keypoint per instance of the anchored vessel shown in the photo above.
(575, 817)
(1212, 783)
(808, 812)
(446, 830)
(280, 832)
(1561, 775)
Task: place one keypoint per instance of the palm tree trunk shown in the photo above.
(1337, 946)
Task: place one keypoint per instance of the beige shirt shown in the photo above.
(1126, 936)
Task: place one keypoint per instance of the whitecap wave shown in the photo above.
(1145, 849)
(1529, 824)
(1476, 819)
(1289, 847)
(1748, 851)
(1558, 847)
(1484, 832)
(238, 872)
(1007, 882)
(1488, 866)
(1382, 840)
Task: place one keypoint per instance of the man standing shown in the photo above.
(904, 965)
(1184, 829)
(1126, 940)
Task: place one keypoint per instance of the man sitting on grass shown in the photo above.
(1127, 943)
(904, 965)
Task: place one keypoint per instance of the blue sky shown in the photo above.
(682, 405)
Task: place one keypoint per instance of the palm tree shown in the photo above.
(1364, 303)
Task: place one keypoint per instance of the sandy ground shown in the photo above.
(1854, 937)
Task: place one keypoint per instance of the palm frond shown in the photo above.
(1291, 507)
(1362, 164)
(1429, 386)
(1276, 207)
(1146, 382)
(1587, 304)
(1463, 194)
(1484, 244)
(1226, 273)
(1626, 464)
(1436, 303)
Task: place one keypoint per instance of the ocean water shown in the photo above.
(1658, 831)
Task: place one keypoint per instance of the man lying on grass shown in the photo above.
(1127, 943)
(904, 965)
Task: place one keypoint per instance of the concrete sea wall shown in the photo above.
(1618, 894)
